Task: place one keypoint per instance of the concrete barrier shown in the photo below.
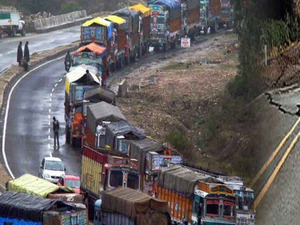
(57, 22)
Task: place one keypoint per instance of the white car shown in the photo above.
(52, 169)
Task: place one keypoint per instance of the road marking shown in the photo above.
(275, 172)
(7, 110)
(49, 146)
(60, 80)
(56, 85)
(49, 123)
(49, 130)
(265, 166)
(10, 52)
(50, 154)
(49, 137)
(49, 110)
(50, 105)
(50, 98)
(52, 89)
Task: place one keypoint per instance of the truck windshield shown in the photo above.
(73, 183)
(212, 208)
(133, 181)
(116, 178)
(54, 165)
(228, 209)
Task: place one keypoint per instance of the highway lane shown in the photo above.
(37, 43)
(29, 137)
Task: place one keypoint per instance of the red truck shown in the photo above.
(102, 170)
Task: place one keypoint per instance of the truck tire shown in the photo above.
(23, 32)
(14, 31)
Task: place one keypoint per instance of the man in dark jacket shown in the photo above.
(20, 53)
(55, 130)
(26, 56)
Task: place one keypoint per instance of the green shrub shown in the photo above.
(178, 140)
(68, 7)
(276, 32)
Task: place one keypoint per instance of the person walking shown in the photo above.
(55, 130)
(26, 56)
(20, 53)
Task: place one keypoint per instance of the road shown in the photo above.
(37, 43)
(281, 201)
(29, 137)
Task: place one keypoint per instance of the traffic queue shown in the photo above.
(117, 154)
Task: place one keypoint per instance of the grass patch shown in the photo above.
(175, 66)
(178, 140)
(227, 67)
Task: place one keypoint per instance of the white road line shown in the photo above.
(49, 110)
(50, 99)
(49, 117)
(56, 85)
(49, 130)
(7, 110)
(49, 145)
(52, 89)
(10, 52)
(60, 80)
(50, 105)
(50, 96)
(49, 137)
(1, 55)
(49, 122)
(50, 154)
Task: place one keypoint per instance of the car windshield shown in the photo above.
(54, 165)
(73, 183)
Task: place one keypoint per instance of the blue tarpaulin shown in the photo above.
(173, 7)
(17, 222)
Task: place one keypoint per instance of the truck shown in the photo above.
(226, 12)
(105, 169)
(32, 185)
(144, 37)
(190, 14)
(11, 22)
(21, 208)
(133, 31)
(195, 197)
(98, 116)
(210, 15)
(101, 32)
(119, 41)
(126, 206)
(152, 157)
(245, 214)
(165, 23)
(77, 82)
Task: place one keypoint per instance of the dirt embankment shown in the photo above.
(183, 101)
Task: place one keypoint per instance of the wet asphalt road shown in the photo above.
(30, 114)
(37, 43)
(281, 203)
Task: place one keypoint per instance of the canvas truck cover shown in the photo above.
(100, 22)
(99, 50)
(102, 111)
(181, 179)
(145, 11)
(133, 17)
(79, 72)
(22, 206)
(121, 128)
(33, 185)
(173, 6)
(138, 206)
(99, 94)
(139, 148)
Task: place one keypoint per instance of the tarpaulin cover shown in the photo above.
(100, 22)
(181, 179)
(139, 148)
(99, 94)
(79, 72)
(142, 9)
(121, 128)
(35, 186)
(133, 16)
(99, 50)
(138, 206)
(102, 111)
(17, 222)
(24, 206)
(173, 6)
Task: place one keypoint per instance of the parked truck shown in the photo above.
(130, 207)
(196, 197)
(11, 23)
(21, 208)
(226, 12)
(77, 82)
(103, 169)
(32, 185)
(132, 34)
(144, 36)
(190, 14)
(165, 23)
(210, 15)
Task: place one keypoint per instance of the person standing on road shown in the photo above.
(20, 53)
(55, 130)
(26, 56)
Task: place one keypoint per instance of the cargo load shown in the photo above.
(99, 94)
(173, 6)
(21, 208)
(127, 206)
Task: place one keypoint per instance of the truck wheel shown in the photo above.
(14, 32)
(23, 32)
